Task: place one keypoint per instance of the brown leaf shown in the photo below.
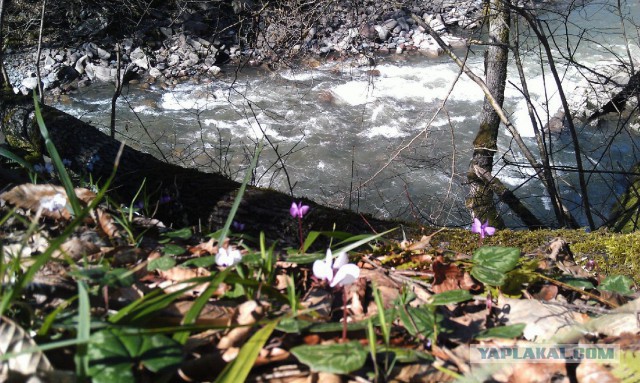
(14, 339)
(559, 250)
(547, 293)
(206, 248)
(538, 373)
(31, 197)
(75, 248)
(107, 224)
(179, 274)
(247, 313)
(450, 277)
(589, 372)
(423, 243)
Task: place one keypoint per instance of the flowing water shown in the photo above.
(374, 139)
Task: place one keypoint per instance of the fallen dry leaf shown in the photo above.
(247, 313)
(539, 373)
(448, 276)
(590, 372)
(31, 196)
(75, 248)
(543, 320)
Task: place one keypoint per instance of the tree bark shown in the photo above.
(480, 200)
(4, 80)
(184, 196)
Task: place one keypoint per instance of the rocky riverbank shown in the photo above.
(167, 48)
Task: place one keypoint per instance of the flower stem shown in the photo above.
(300, 233)
(344, 314)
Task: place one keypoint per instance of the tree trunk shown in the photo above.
(4, 79)
(480, 200)
(184, 196)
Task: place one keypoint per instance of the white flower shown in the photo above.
(340, 273)
(228, 257)
(54, 203)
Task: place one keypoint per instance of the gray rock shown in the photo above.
(174, 59)
(167, 32)
(103, 54)
(155, 72)
(383, 32)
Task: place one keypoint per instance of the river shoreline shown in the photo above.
(167, 54)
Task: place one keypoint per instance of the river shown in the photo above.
(377, 139)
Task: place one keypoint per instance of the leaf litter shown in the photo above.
(389, 323)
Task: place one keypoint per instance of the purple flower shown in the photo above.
(340, 273)
(591, 264)
(66, 162)
(482, 228)
(164, 199)
(299, 210)
(237, 226)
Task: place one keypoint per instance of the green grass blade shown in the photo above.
(152, 302)
(19, 160)
(16, 289)
(83, 330)
(55, 158)
(236, 203)
(239, 369)
(381, 317)
(191, 315)
(361, 242)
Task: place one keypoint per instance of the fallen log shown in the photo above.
(184, 196)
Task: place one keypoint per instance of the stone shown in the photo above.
(155, 72)
(174, 59)
(103, 54)
(383, 32)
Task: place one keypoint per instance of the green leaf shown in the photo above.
(114, 355)
(451, 297)
(365, 239)
(200, 262)
(191, 315)
(171, 249)
(311, 238)
(418, 320)
(15, 158)
(617, 284)
(238, 199)
(83, 330)
(293, 325)
(580, 283)
(406, 355)
(163, 263)
(503, 259)
(241, 366)
(508, 332)
(488, 276)
(337, 327)
(305, 258)
(334, 358)
(57, 161)
(184, 233)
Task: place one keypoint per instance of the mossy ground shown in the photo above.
(614, 253)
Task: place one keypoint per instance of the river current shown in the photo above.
(393, 140)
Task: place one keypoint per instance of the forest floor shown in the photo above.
(114, 296)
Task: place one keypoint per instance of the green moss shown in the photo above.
(614, 253)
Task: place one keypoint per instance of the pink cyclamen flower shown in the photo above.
(299, 210)
(338, 273)
(482, 228)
